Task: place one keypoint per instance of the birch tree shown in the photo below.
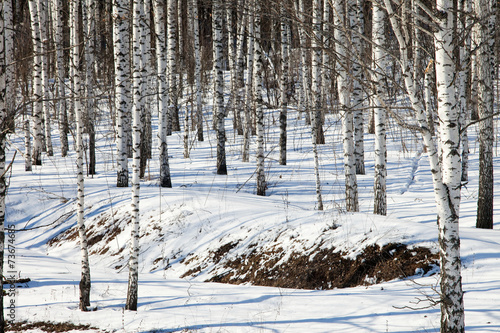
(284, 27)
(259, 109)
(43, 10)
(122, 86)
(137, 91)
(344, 85)
(172, 60)
(378, 66)
(484, 35)
(37, 111)
(217, 21)
(197, 69)
(85, 283)
(316, 93)
(356, 21)
(446, 177)
(247, 122)
(5, 24)
(161, 62)
(61, 106)
(89, 26)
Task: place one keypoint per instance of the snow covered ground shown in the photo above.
(203, 211)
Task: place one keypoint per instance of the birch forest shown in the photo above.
(201, 69)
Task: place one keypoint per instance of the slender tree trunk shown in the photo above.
(62, 112)
(161, 59)
(259, 108)
(37, 112)
(217, 20)
(27, 146)
(305, 75)
(5, 47)
(485, 57)
(316, 93)
(137, 113)
(344, 83)
(247, 122)
(446, 177)
(172, 64)
(88, 8)
(79, 109)
(197, 69)
(357, 24)
(122, 86)
(464, 58)
(379, 61)
(43, 10)
(284, 84)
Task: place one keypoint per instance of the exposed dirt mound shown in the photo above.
(327, 269)
(45, 326)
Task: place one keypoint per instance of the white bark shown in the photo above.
(247, 122)
(61, 105)
(316, 93)
(284, 84)
(344, 85)
(304, 75)
(122, 86)
(446, 182)
(217, 21)
(37, 112)
(79, 109)
(259, 109)
(379, 61)
(137, 93)
(356, 23)
(161, 62)
(172, 62)
(43, 10)
(197, 69)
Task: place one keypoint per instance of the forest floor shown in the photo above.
(215, 257)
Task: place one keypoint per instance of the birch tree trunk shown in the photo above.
(61, 108)
(217, 21)
(43, 10)
(37, 112)
(161, 62)
(316, 93)
(379, 61)
(464, 44)
(344, 85)
(121, 43)
(197, 69)
(5, 43)
(485, 10)
(137, 112)
(356, 22)
(305, 77)
(89, 26)
(284, 83)
(259, 109)
(446, 177)
(172, 62)
(452, 309)
(79, 109)
(247, 122)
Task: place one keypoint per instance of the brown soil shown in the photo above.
(327, 269)
(45, 326)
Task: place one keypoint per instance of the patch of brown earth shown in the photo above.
(327, 269)
(45, 326)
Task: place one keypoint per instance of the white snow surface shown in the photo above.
(204, 211)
